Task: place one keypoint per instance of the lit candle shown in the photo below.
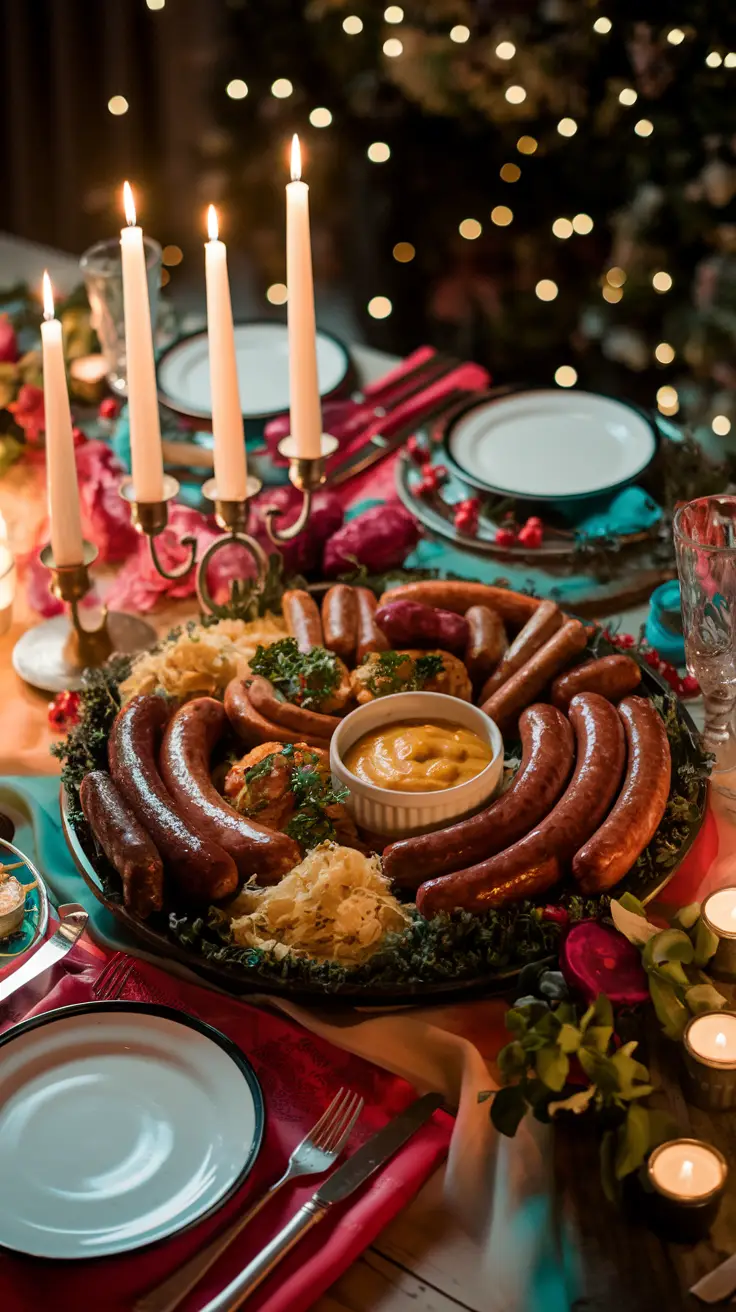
(710, 1058)
(145, 432)
(61, 468)
(688, 1178)
(7, 579)
(227, 415)
(306, 411)
(719, 915)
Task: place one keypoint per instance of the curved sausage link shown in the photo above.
(539, 628)
(340, 620)
(487, 642)
(190, 738)
(302, 619)
(370, 637)
(309, 724)
(125, 843)
(248, 723)
(612, 676)
(525, 686)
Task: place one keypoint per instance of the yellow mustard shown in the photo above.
(414, 757)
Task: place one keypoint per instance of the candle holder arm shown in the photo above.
(271, 513)
(181, 571)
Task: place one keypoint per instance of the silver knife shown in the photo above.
(343, 1182)
(718, 1284)
(52, 951)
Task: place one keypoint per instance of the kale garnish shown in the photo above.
(397, 671)
(304, 678)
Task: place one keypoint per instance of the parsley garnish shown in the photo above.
(396, 671)
(304, 678)
(313, 794)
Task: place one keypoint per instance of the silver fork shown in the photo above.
(112, 978)
(315, 1154)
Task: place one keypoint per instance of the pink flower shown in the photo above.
(8, 341)
(28, 411)
(105, 516)
(303, 553)
(37, 580)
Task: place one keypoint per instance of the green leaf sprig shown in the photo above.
(304, 678)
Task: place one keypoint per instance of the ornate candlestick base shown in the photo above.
(307, 473)
(54, 655)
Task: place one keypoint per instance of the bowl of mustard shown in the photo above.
(416, 761)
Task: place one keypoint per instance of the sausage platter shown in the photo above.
(205, 814)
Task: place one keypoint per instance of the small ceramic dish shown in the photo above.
(395, 814)
(22, 926)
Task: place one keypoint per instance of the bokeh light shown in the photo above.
(502, 216)
(628, 96)
(393, 47)
(506, 50)
(602, 25)
(378, 152)
(664, 353)
(352, 25)
(526, 145)
(661, 282)
(515, 95)
(379, 307)
(320, 117)
(237, 89)
(282, 88)
(277, 293)
(510, 172)
(567, 127)
(583, 224)
(403, 252)
(117, 105)
(562, 228)
(460, 33)
(668, 400)
(546, 289)
(644, 127)
(721, 425)
(566, 376)
(470, 229)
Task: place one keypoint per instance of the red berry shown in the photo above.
(531, 535)
(415, 447)
(624, 640)
(535, 521)
(63, 711)
(652, 659)
(505, 537)
(558, 915)
(423, 488)
(689, 686)
(78, 436)
(441, 472)
(109, 408)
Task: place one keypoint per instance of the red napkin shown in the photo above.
(299, 1074)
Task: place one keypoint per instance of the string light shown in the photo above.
(378, 152)
(583, 224)
(612, 294)
(644, 128)
(281, 88)
(562, 228)
(668, 400)
(393, 47)
(394, 14)
(526, 145)
(664, 353)
(470, 229)
(602, 25)
(460, 33)
(661, 282)
(714, 59)
(352, 25)
(155, 4)
(721, 425)
(502, 216)
(506, 50)
(567, 127)
(277, 293)
(676, 36)
(320, 117)
(730, 60)
(628, 96)
(515, 95)
(117, 105)
(379, 307)
(510, 173)
(616, 277)
(403, 252)
(566, 376)
(237, 89)
(172, 255)
(546, 289)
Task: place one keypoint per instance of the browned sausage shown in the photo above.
(600, 761)
(634, 820)
(201, 870)
(524, 686)
(513, 607)
(613, 677)
(189, 741)
(487, 642)
(310, 724)
(370, 637)
(546, 762)
(125, 843)
(302, 619)
(545, 621)
(248, 723)
(340, 620)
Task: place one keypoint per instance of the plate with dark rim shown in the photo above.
(122, 1123)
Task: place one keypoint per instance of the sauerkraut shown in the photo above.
(202, 660)
(336, 905)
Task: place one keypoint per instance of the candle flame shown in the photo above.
(296, 159)
(48, 296)
(213, 226)
(720, 1039)
(128, 204)
(686, 1170)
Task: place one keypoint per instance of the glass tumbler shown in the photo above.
(102, 269)
(705, 542)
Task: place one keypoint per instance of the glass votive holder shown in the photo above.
(719, 915)
(102, 269)
(685, 1181)
(709, 1050)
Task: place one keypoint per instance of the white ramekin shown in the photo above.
(394, 814)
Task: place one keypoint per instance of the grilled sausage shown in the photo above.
(613, 677)
(248, 723)
(487, 642)
(340, 620)
(310, 724)
(552, 844)
(546, 762)
(302, 619)
(370, 637)
(190, 738)
(523, 687)
(633, 822)
(545, 621)
(201, 870)
(125, 843)
(514, 607)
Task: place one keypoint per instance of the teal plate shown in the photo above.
(36, 918)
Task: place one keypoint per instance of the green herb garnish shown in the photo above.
(396, 671)
(304, 678)
(314, 795)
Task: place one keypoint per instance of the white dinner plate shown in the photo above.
(262, 354)
(120, 1124)
(549, 445)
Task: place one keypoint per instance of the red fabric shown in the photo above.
(299, 1074)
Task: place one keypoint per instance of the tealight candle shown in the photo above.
(687, 1178)
(719, 914)
(710, 1059)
